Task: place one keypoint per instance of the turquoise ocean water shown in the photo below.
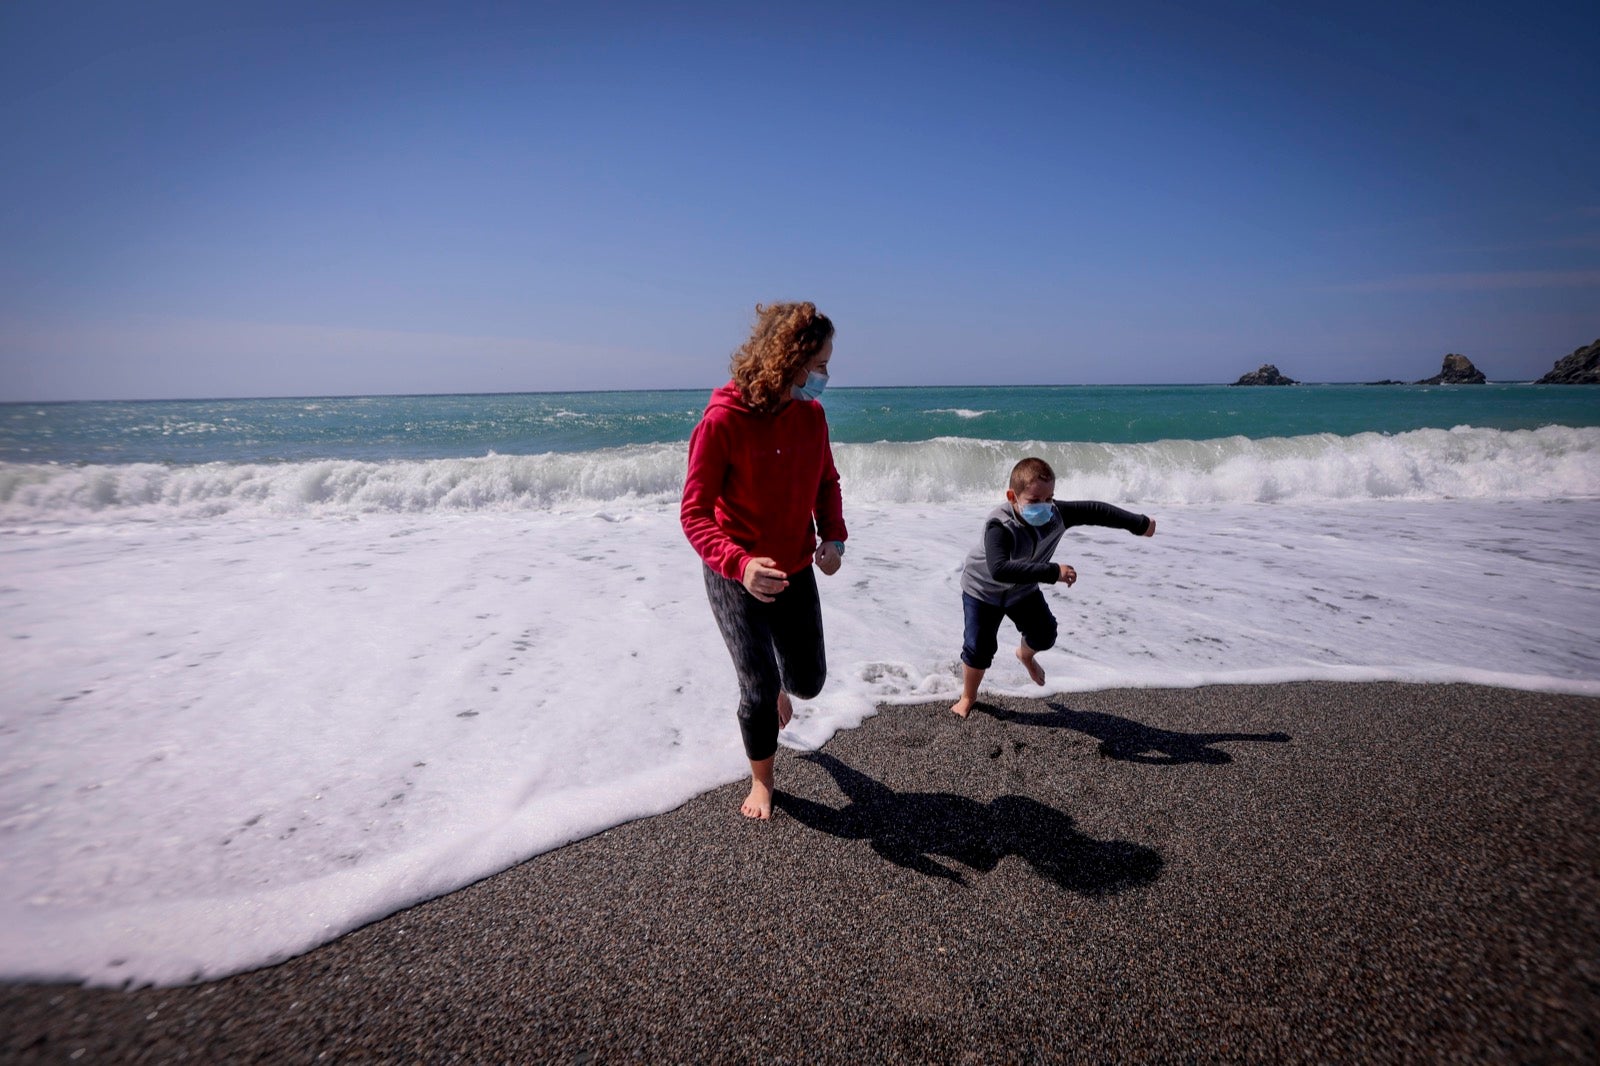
(387, 428)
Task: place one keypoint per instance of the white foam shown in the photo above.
(226, 741)
(1462, 463)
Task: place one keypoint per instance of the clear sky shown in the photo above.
(243, 199)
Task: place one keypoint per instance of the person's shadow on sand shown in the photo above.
(911, 828)
(1130, 741)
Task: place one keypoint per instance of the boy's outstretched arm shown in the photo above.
(1095, 513)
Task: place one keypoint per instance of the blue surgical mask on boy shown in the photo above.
(812, 389)
(1037, 514)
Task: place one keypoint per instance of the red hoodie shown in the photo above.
(756, 482)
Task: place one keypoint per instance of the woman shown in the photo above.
(761, 487)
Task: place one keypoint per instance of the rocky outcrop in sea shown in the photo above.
(1457, 370)
(1582, 367)
(1266, 375)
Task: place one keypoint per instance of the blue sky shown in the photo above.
(339, 198)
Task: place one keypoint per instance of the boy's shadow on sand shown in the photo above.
(1130, 741)
(911, 828)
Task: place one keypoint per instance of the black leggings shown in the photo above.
(775, 646)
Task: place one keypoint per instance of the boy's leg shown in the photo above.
(747, 631)
(980, 640)
(971, 678)
(1031, 615)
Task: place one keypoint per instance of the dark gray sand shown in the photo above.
(1306, 872)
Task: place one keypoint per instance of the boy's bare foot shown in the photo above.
(1035, 671)
(758, 804)
(961, 708)
(785, 709)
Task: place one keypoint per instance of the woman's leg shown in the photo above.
(797, 635)
(746, 628)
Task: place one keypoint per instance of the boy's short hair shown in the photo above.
(1028, 471)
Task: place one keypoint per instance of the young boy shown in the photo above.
(1001, 576)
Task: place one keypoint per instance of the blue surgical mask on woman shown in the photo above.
(1037, 514)
(813, 387)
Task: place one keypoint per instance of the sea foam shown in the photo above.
(230, 737)
(1463, 463)
(251, 706)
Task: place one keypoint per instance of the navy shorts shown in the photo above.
(1031, 615)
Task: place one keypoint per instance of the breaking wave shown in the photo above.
(1461, 463)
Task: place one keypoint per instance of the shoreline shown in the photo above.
(1297, 871)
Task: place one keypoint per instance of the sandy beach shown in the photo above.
(1299, 872)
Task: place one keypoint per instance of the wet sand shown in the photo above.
(1303, 872)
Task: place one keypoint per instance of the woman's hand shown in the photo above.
(1068, 574)
(1150, 532)
(763, 580)
(829, 557)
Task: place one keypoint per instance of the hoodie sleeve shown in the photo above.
(1095, 513)
(708, 465)
(829, 508)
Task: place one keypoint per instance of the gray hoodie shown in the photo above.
(1014, 557)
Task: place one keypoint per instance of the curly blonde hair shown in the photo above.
(786, 337)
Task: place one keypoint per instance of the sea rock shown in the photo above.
(1267, 375)
(1582, 367)
(1457, 370)
(1385, 381)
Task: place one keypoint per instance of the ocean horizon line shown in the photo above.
(709, 388)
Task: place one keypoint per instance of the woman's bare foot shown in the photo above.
(758, 804)
(785, 709)
(961, 708)
(1035, 671)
